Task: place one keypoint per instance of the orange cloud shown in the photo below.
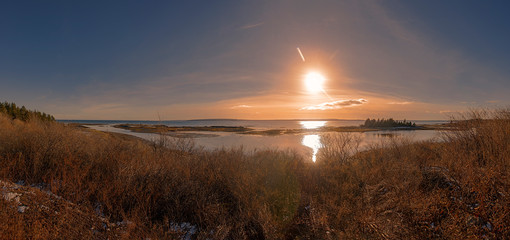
(336, 104)
(401, 103)
(240, 106)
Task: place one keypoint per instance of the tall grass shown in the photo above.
(457, 188)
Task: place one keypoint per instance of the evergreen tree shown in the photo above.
(23, 114)
(387, 123)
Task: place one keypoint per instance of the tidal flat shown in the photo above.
(150, 128)
(307, 138)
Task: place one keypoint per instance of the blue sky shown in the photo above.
(238, 59)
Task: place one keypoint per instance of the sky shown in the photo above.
(164, 60)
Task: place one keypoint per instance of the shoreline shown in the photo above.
(163, 129)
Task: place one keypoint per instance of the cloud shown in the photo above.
(401, 103)
(336, 104)
(240, 106)
(448, 112)
(106, 107)
(248, 26)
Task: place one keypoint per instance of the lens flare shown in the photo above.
(301, 54)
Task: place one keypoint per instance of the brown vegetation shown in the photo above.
(145, 128)
(455, 189)
(178, 131)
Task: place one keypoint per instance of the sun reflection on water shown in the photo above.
(313, 142)
(312, 124)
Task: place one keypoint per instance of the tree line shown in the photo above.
(387, 123)
(22, 113)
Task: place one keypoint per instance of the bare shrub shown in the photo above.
(396, 189)
(339, 147)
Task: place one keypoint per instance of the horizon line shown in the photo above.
(240, 119)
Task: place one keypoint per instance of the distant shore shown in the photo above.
(147, 128)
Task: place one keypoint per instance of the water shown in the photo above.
(308, 144)
(255, 124)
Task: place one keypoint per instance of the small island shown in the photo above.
(389, 123)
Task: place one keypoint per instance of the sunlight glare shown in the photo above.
(313, 142)
(312, 124)
(314, 81)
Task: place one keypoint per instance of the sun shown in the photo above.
(314, 82)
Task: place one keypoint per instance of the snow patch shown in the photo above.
(21, 209)
(187, 228)
(9, 196)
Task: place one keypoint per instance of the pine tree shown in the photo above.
(387, 123)
(23, 114)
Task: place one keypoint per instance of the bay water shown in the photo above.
(308, 143)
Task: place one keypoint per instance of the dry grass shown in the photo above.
(29, 213)
(455, 189)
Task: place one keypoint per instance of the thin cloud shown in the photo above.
(106, 107)
(336, 104)
(248, 26)
(240, 106)
(333, 55)
(401, 103)
(448, 111)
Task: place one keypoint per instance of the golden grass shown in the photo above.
(455, 189)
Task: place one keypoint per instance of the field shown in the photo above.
(65, 182)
